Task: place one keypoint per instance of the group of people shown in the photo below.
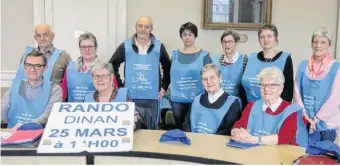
(252, 98)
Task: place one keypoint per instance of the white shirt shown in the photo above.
(273, 107)
(213, 97)
(142, 50)
(234, 58)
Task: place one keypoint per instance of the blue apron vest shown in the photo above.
(261, 123)
(186, 81)
(231, 74)
(207, 120)
(142, 72)
(122, 95)
(22, 110)
(50, 63)
(314, 93)
(78, 83)
(250, 81)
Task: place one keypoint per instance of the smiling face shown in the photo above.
(320, 46)
(270, 89)
(102, 79)
(43, 35)
(211, 81)
(34, 68)
(267, 39)
(229, 44)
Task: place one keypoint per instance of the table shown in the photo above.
(205, 149)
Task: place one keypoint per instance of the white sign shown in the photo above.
(92, 127)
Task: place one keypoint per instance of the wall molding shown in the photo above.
(337, 37)
(7, 77)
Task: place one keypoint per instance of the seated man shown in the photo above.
(271, 120)
(30, 100)
(215, 111)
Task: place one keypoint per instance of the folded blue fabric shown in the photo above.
(175, 135)
(241, 145)
(30, 126)
(324, 147)
(322, 136)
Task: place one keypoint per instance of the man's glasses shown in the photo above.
(104, 76)
(34, 66)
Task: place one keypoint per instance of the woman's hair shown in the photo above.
(209, 66)
(190, 27)
(272, 73)
(88, 36)
(102, 65)
(233, 33)
(323, 32)
(269, 27)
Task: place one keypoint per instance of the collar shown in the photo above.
(213, 97)
(146, 46)
(51, 50)
(27, 84)
(133, 39)
(274, 106)
(233, 60)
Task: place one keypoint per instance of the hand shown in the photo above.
(161, 94)
(239, 134)
(312, 125)
(15, 128)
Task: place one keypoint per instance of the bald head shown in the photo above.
(145, 20)
(43, 35)
(43, 27)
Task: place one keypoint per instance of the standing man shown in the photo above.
(142, 55)
(57, 59)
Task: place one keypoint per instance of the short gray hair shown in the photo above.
(233, 33)
(323, 32)
(103, 65)
(209, 66)
(272, 73)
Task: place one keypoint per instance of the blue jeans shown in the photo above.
(180, 111)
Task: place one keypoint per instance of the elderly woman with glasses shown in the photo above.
(271, 120)
(215, 111)
(105, 91)
(77, 81)
(318, 85)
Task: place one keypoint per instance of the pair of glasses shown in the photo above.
(38, 36)
(34, 66)
(229, 42)
(86, 47)
(269, 86)
(104, 76)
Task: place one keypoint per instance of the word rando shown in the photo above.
(93, 107)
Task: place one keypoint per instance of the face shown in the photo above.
(267, 39)
(34, 68)
(102, 79)
(44, 37)
(229, 44)
(211, 81)
(144, 27)
(270, 90)
(188, 38)
(88, 49)
(320, 45)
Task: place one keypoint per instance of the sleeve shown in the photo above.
(118, 58)
(287, 93)
(207, 59)
(55, 97)
(243, 96)
(5, 105)
(64, 87)
(166, 66)
(187, 124)
(229, 119)
(287, 132)
(243, 122)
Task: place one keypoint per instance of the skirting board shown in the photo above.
(6, 78)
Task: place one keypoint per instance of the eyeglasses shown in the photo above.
(229, 42)
(38, 36)
(211, 78)
(269, 86)
(319, 42)
(87, 47)
(145, 26)
(35, 66)
(104, 76)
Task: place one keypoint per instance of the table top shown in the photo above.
(203, 146)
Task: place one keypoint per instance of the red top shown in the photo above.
(64, 85)
(287, 132)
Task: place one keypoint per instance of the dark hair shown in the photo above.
(36, 54)
(190, 27)
(269, 27)
(233, 33)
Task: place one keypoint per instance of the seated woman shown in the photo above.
(215, 111)
(30, 100)
(271, 120)
(77, 81)
(102, 77)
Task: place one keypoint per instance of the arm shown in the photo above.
(118, 58)
(287, 132)
(55, 97)
(63, 61)
(64, 87)
(5, 105)
(233, 114)
(166, 66)
(287, 93)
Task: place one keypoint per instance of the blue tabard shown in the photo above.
(142, 72)
(261, 123)
(315, 93)
(78, 83)
(207, 120)
(23, 110)
(231, 74)
(50, 63)
(249, 79)
(186, 81)
(122, 95)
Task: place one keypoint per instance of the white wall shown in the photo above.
(296, 20)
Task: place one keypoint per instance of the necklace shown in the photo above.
(315, 74)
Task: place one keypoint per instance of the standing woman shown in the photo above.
(318, 85)
(231, 63)
(185, 73)
(268, 57)
(77, 81)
